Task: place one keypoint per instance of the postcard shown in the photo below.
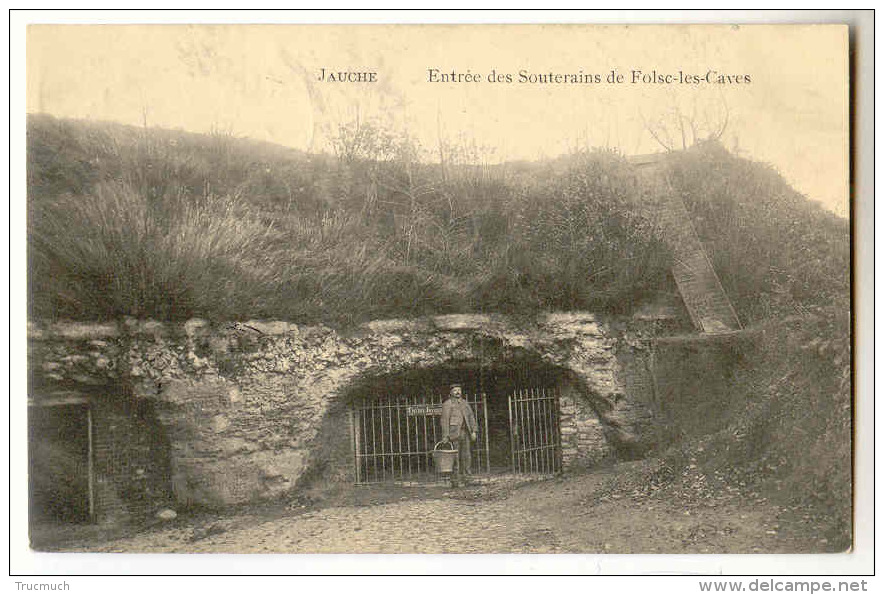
(513, 289)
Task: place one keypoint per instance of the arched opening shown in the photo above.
(394, 420)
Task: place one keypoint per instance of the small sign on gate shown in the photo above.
(423, 410)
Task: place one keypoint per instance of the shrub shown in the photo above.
(589, 242)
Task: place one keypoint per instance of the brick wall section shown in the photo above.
(569, 429)
(130, 475)
(130, 460)
(583, 437)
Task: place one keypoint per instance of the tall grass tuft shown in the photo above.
(116, 251)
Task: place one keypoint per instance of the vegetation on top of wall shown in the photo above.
(170, 225)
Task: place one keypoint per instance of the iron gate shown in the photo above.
(535, 439)
(393, 438)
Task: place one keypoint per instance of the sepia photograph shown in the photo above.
(439, 289)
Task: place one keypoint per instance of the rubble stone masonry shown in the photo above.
(241, 403)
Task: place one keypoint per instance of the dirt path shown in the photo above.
(564, 515)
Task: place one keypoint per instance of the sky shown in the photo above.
(786, 102)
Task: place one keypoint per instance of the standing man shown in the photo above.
(459, 426)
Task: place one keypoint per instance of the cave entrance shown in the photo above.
(395, 422)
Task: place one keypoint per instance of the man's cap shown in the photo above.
(455, 385)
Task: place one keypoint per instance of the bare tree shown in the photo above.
(680, 127)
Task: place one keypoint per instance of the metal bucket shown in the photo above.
(444, 458)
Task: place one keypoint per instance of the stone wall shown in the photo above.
(241, 404)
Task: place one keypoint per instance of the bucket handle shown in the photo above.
(451, 444)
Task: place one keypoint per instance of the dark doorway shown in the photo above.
(59, 461)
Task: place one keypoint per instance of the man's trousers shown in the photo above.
(463, 466)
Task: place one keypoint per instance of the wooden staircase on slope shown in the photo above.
(705, 299)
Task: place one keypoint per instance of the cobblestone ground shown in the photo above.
(428, 526)
(542, 517)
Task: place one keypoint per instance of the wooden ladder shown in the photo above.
(705, 299)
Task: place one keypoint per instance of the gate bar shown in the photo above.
(374, 448)
(528, 427)
(90, 462)
(515, 428)
(509, 406)
(540, 430)
(426, 433)
(392, 456)
(355, 441)
(520, 434)
(535, 430)
(548, 428)
(558, 420)
(408, 435)
(551, 407)
(551, 410)
(532, 429)
(544, 429)
(542, 446)
(485, 431)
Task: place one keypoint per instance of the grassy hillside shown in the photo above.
(170, 225)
